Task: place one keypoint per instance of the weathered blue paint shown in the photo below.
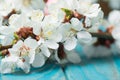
(48, 72)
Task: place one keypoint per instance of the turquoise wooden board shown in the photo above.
(106, 68)
(48, 72)
(95, 69)
(0, 77)
(117, 62)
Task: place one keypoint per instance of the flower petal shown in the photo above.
(24, 66)
(57, 37)
(51, 44)
(84, 37)
(70, 44)
(73, 57)
(31, 56)
(39, 60)
(18, 45)
(31, 43)
(45, 51)
(116, 33)
(77, 25)
(13, 51)
(8, 64)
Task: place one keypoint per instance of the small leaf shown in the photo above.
(0, 53)
(68, 13)
(16, 36)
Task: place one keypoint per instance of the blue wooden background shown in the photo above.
(107, 68)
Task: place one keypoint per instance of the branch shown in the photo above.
(98, 35)
(102, 35)
(5, 47)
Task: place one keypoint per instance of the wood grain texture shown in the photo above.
(48, 72)
(95, 69)
(106, 68)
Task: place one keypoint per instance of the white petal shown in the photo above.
(31, 56)
(13, 51)
(7, 40)
(56, 57)
(51, 44)
(37, 15)
(57, 37)
(37, 29)
(39, 60)
(8, 64)
(18, 44)
(73, 57)
(93, 11)
(89, 51)
(87, 22)
(77, 25)
(105, 51)
(31, 43)
(41, 41)
(7, 30)
(20, 21)
(24, 66)
(84, 37)
(45, 50)
(70, 44)
(116, 33)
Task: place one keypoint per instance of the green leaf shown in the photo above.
(68, 12)
(16, 36)
(0, 53)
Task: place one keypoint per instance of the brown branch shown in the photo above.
(102, 35)
(4, 52)
(5, 47)
(98, 35)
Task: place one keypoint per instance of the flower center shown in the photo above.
(26, 2)
(24, 50)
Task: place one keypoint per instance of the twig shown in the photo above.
(102, 35)
(5, 47)
(98, 35)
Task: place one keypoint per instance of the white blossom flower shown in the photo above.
(92, 51)
(22, 20)
(73, 30)
(116, 36)
(5, 7)
(6, 35)
(37, 15)
(25, 50)
(71, 56)
(10, 63)
(83, 7)
(107, 45)
(35, 37)
(49, 36)
(114, 18)
(27, 5)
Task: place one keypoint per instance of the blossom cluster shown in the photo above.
(109, 45)
(32, 32)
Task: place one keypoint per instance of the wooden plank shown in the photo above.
(117, 62)
(106, 68)
(95, 69)
(48, 72)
